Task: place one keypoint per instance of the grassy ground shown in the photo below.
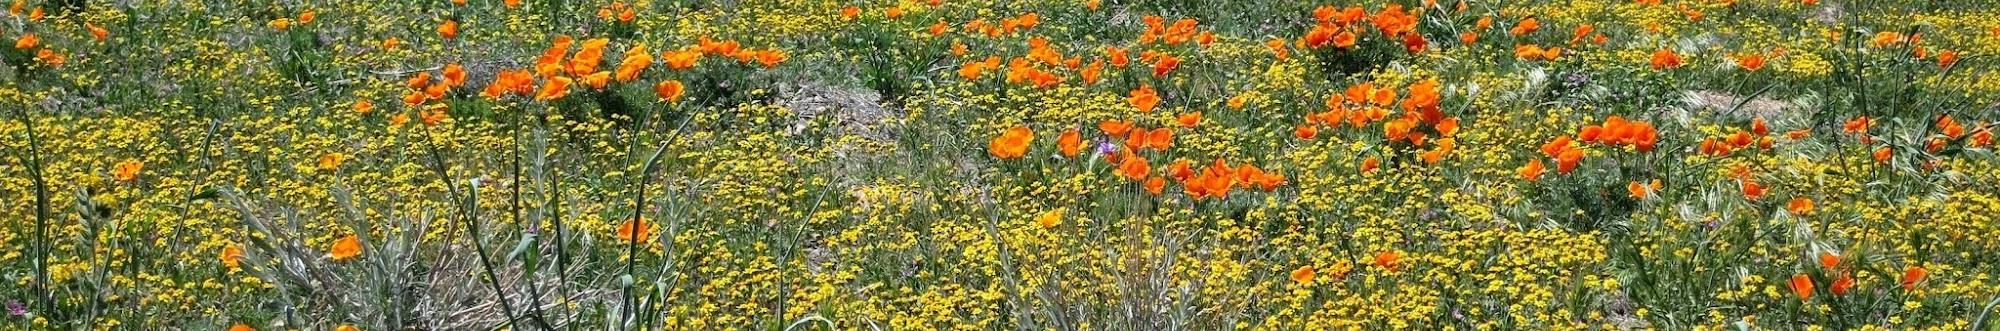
(994, 164)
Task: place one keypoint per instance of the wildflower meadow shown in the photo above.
(999, 165)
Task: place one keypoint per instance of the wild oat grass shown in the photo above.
(986, 164)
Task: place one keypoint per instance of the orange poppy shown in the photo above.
(418, 81)
(1114, 127)
(1950, 127)
(1267, 180)
(1531, 171)
(415, 97)
(1214, 182)
(669, 90)
(850, 12)
(1883, 154)
(597, 80)
(1277, 47)
(1306, 131)
(1387, 260)
(1134, 168)
(1345, 39)
(635, 229)
(681, 60)
(1829, 260)
(1012, 144)
(454, 75)
(771, 58)
(1886, 38)
(1556, 146)
(448, 29)
(1371, 163)
(1711, 147)
(99, 33)
(1526, 26)
(1119, 56)
(1050, 219)
(345, 248)
(1568, 160)
(1740, 139)
(51, 57)
(1070, 142)
(1800, 206)
(724, 48)
(630, 67)
(1859, 124)
(1751, 189)
(1166, 64)
(555, 88)
(1415, 43)
(127, 170)
(1144, 98)
(1444, 148)
(1798, 134)
(241, 327)
(1913, 275)
(1803, 286)
(1157, 139)
(1665, 59)
(1155, 185)
(1180, 170)
(231, 256)
(27, 41)
(1188, 119)
(1750, 62)
(433, 116)
(1842, 284)
(1590, 133)
(329, 161)
(1581, 31)
(1303, 275)
(587, 57)
(1318, 37)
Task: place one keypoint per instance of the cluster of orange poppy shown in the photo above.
(1842, 282)
(45, 55)
(1037, 67)
(559, 74)
(1337, 27)
(1386, 260)
(1213, 181)
(1914, 43)
(620, 11)
(1363, 103)
(980, 26)
(1947, 131)
(1616, 131)
(1759, 134)
(1182, 31)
